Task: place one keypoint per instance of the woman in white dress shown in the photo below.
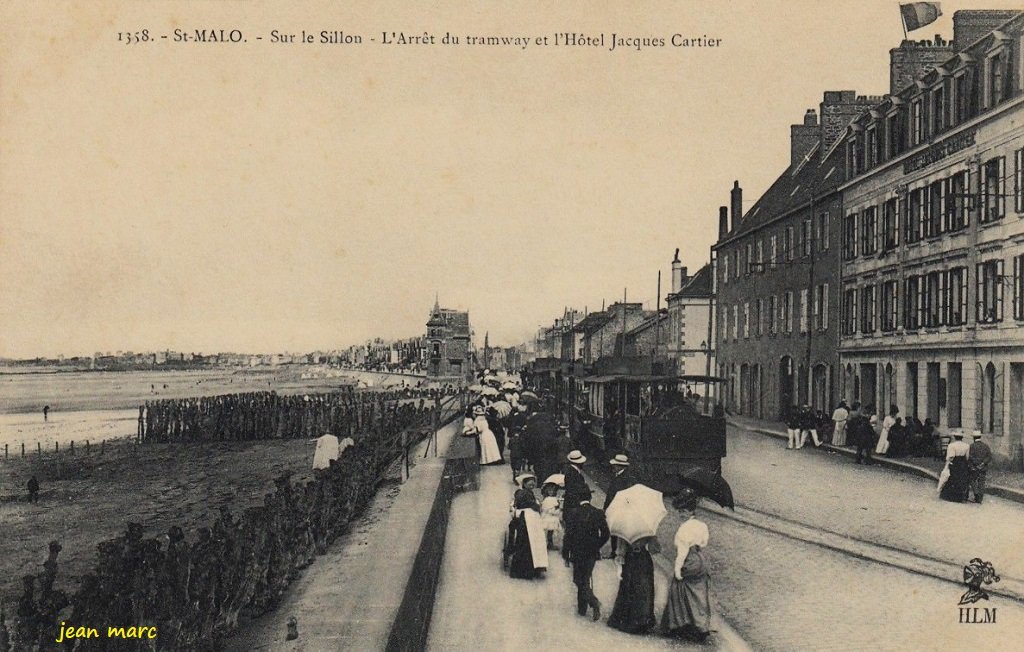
(883, 437)
(489, 453)
(688, 610)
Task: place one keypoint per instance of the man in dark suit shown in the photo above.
(623, 479)
(862, 433)
(576, 488)
(586, 532)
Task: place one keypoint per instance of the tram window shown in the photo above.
(633, 399)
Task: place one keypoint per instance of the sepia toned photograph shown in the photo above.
(468, 326)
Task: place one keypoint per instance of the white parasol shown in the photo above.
(503, 408)
(635, 513)
(556, 478)
(488, 391)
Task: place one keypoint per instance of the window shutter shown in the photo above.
(1018, 186)
(1001, 188)
(997, 399)
(824, 308)
(1016, 287)
(967, 205)
(979, 296)
(999, 289)
(942, 299)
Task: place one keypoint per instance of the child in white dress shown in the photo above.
(551, 515)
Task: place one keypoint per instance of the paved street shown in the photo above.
(776, 591)
(784, 594)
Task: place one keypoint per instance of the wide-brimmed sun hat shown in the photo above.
(576, 457)
(619, 460)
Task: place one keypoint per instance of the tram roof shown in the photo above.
(645, 378)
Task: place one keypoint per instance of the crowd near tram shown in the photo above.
(551, 514)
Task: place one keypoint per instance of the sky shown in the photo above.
(265, 197)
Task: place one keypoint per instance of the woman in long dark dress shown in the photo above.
(633, 612)
(526, 544)
(956, 487)
(687, 613)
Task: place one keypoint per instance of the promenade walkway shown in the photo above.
(348, 598)
(479, 607)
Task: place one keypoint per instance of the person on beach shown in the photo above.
(687, 613)
(33, 490)
(633, 611)
(46, 412)
(840, 417)
(586, 532)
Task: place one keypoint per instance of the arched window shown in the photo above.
(988, 398)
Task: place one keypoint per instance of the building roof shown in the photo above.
(818, 174)
(697, 287)
(592, 322)
(648, 322)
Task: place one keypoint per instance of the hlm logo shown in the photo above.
(976, 574)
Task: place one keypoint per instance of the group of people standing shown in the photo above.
(966, 465)
(584, 533)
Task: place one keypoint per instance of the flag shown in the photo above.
(919, 14)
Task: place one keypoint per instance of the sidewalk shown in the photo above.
(347, 599)
(479, 607)
(920, 467)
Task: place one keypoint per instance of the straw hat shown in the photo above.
(619, 460)
(576, 457)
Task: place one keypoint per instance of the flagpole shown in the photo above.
(903, 23)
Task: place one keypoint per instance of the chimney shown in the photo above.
(969, 25)
(803, 138)
(683, 277)
(736, 199)
(723, 222)
(838, 109)
(677, 271)
(912, 59)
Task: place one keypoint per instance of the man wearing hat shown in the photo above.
(576, 488)
(623, 479)
(585, 534)
(978, 459)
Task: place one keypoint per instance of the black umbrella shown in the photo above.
(709, 485)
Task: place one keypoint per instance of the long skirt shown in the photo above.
(633, 612)
(688, 610)
(956, 487)
(527, 547)
(839, 434)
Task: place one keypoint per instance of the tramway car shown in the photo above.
(667, 424)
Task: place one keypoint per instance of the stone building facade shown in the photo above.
(690, 346)
(776, 274)
(933, 241)
(449, 352)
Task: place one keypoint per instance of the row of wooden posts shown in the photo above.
(56, 448)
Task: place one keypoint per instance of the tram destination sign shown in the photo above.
(939, 151)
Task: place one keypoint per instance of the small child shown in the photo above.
(551, 514)
(515, 454)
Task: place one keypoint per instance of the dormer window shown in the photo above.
(871, 147)
(996, 78)
(938, 109)
(916, 122)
